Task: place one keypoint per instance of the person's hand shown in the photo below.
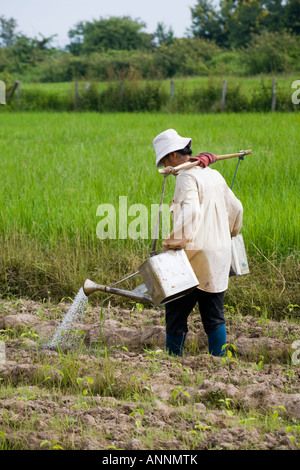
(204, 159)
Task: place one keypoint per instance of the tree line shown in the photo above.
(238, 37)
(232, 23)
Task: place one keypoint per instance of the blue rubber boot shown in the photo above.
(216, 340)
(174, 344)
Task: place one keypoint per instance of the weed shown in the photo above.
(260, 363)
(7, 334)
(276, 410)
(88, 380)
(225, 403)
(292, 307)
(229, 353)
(294, 434)
(29, 333)
(81, 404)
(142, 388)
(177, 395)
(137, 414)
(197, 435)
(52, 444)
(230, 309)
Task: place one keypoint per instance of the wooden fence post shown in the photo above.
(76, 95)
(18, 91)
(15, 87)
(122, 92)
(171, 90)
(273, 104)
(224, 89)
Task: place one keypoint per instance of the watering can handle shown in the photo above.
(185, 166)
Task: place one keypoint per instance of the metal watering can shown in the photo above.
(169, 275)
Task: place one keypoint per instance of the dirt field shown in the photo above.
(117, 389)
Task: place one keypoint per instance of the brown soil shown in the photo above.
(119, 389)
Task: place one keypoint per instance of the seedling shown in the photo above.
(230, 308)
(295, 430)
(260, 364)
(29, 334)
(139, 307)
(140, 386)
(197, 433)
(87, 379)
(83, 404)
(290, 373)
(113, 448)
(292, 307)
(179, 390)
(228, 358)
(32, 397)
(134, 413)
(226, 402)
(53, 443)
(275, 412)
(5, 334)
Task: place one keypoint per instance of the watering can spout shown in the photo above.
(89, 287)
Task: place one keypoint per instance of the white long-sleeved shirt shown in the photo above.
(206, 214)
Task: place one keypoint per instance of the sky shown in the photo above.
(50, 17)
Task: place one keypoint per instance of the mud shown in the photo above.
(118, 389)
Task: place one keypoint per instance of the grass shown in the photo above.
(197, 94)
(57, 168)
(284, 81)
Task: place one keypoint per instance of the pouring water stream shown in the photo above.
(64, 334)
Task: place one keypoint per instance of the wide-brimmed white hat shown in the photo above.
(169, 141)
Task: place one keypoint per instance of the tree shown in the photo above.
(18, 52)
(8, 33)
(292, 16)
(271, 52)
(274, 20)
(207, 22)
(45, 42)
(184, 57)
(242, 19)
(114, 33)
(161, 36)
(232, 23)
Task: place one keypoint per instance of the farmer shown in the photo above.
(206, 214)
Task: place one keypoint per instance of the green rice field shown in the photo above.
(247, 84)
(57, 168)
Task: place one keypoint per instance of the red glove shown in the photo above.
(204, 159)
